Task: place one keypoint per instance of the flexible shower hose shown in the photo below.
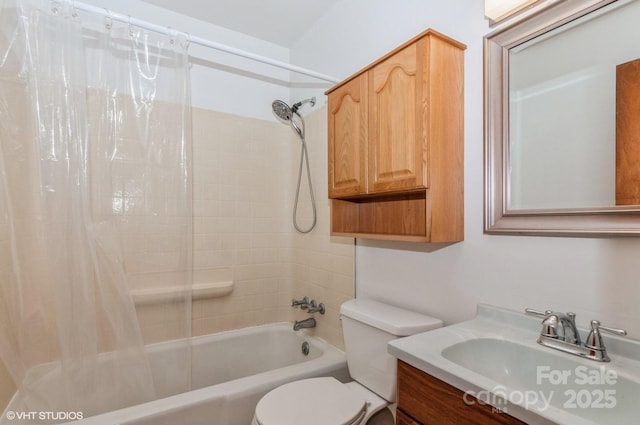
(304, 158)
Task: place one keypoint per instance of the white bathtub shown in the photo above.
(231, 371)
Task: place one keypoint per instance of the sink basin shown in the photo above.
(543, 379)
(496, 359)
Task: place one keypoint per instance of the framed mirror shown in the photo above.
(562, 121)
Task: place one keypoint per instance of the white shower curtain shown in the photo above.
(95, 202)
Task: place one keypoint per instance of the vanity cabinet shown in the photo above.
(396, 145)
(403, 419)
(425, 400)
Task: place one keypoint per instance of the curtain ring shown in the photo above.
(187, 41)
(131, 32)
(74, 11)
(108, 19)
(55, 7)
(172, 35)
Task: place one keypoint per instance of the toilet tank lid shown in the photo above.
(394, 320)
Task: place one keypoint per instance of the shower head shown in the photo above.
(284, 112)
(291, 116)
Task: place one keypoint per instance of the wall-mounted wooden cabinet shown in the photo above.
(348, 111)
(396, 145)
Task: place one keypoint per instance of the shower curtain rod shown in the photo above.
(200, 41)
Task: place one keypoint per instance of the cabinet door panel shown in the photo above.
(434, 402)
(404, 419)
(348, 135)
(397, 153)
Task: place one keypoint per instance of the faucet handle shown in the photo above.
(303, 303)
(616, 331)
(550, 323)
(594, 340)
(314, 307)
(538, 313)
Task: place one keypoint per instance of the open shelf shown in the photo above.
(395, 216)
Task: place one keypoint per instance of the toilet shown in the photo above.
(368, 326)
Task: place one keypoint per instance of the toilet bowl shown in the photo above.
(368, 326)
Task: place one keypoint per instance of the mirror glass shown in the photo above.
(573, 95)
(562, 121)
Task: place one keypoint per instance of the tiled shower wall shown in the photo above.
(245, 171)
(322, 265)
(241, 187)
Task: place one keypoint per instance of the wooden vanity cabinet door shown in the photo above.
(397, 147)
(348, 133)
(434, 402)
(404, 419)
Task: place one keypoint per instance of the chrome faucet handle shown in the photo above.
(594, 340)
(550, 327)
(303, 303)
(549, 322)
(314, 307)
(538, 313)
(557, 325)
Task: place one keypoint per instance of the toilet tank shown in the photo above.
(368, 326)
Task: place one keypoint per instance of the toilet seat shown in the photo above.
(301, 402)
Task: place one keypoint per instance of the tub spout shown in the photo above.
(306, 323)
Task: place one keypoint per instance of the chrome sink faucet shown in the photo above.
(559, 331)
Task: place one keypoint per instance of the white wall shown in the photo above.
(220, 81)
(596, 278)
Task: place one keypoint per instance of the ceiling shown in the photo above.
(278, 21)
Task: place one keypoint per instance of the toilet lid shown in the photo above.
(314, 401)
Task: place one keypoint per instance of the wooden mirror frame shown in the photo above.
(498, 219)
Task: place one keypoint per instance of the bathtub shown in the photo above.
(231, 371)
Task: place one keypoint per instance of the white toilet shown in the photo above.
(368, 326)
